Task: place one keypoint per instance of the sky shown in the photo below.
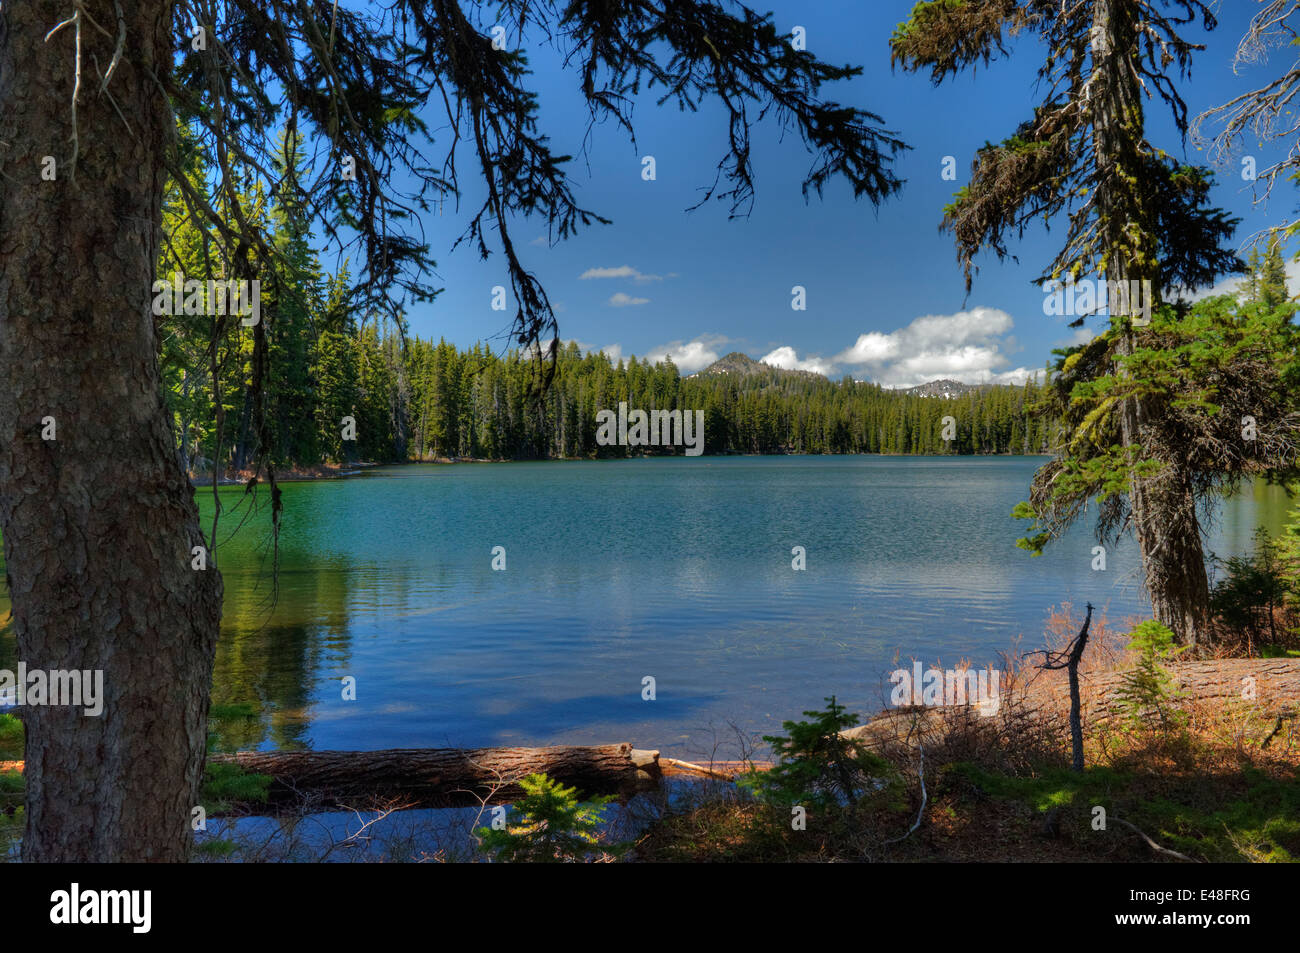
(885, 296)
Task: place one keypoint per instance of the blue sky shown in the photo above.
(697, 285)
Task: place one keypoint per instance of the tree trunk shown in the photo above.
(1169, 537)
(1076, 702)
(99, 522)
(183, 445)
(435, 777)
(1162, 506)
(245, 432)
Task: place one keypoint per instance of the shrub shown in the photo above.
(816, 765)
(548, 825)
(11, 738)
(1287, 549)
(1149, 687)
(224, 784)
(1253, 591)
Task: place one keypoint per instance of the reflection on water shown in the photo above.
(675, 568)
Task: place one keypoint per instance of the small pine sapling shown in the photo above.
(549, 825)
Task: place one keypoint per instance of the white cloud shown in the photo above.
(614, 352)
(870, 348)
(1082, 335)
(693, 355)
(972, 346)
(622, 271)
(621, 300)
(1078, 336)
(786, 357)
(1017, 377)
(1233, 285)
(968, 346)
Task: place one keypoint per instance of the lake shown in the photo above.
(674, 568)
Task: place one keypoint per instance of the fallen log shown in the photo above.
(1041, 702)
(434, 777)
(717, 770)
(1274, 684)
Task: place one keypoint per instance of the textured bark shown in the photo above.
(1169, 536)
(1163, 506)
(98, 523)
(435, 777)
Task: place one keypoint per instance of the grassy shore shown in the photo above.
(1211, 779)
(1208, 791)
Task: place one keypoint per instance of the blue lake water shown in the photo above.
(674, 568)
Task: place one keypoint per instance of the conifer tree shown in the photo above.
(1132, 213)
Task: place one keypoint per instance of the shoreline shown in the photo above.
(323, 471)
(333, 471)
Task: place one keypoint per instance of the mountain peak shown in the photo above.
(943, 387)
(734, 363)
(737, 364)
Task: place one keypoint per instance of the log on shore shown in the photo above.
(435, 777)
(1276, 684)
(1042, 701)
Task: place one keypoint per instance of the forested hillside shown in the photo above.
(420, 400)
(475, 404)
(414, 399)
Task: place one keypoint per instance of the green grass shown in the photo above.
(11, 783)
(1238, 816)
(232, 712)
(215, 848)
(11, 811)
(11, 738)
(1277, 651)
(224, 784)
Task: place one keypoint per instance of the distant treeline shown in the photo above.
(416, 400)
(474, 404)
(279, 390)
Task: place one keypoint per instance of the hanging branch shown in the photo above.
(1266, 114)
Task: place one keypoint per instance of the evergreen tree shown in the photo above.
(1132, 213)
(1273, 291)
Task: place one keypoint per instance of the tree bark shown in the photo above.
(435, 777)
(1169, 538)
(1162, 506)
(245, 432)
(99, 522)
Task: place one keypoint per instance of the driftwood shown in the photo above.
(717, 770)
(1042, 701)
(436, 777)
